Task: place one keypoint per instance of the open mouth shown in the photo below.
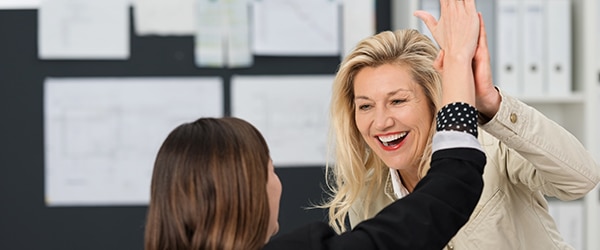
(392, 140)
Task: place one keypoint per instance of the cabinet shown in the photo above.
(579, 113)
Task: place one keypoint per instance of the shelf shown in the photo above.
(574, 98)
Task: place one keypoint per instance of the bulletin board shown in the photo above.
(25, 220)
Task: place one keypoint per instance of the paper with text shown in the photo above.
(159, 17)
(222, 37)
(83, 29)
(19, 4)
(102, 134)
(290, 111)
(358, 22)
(296, 27)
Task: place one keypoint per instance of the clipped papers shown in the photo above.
(358, 22)
(222, 34)
(290, 111)
(159, 17)
(19, 4)
(83, 29)
(102, 134)
(296, 27)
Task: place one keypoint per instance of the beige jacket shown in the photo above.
(528, 156)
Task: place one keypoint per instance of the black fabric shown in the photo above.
(425, 219)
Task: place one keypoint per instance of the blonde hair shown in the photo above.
(357, 172)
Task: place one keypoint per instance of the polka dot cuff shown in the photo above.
(457, 116)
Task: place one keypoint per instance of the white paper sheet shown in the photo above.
(296, 27)
(222, 34)
(358, 22)
(19, 4)
(159, 17)
(102, 134)
(290, 111)
(83, 29)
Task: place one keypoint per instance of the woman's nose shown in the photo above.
(383, 119)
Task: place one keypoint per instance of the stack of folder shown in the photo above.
(533, 47)
(530, 44)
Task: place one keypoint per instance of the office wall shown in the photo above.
(26, 222)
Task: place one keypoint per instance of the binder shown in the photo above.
(508, 68)
(533, 43)
(558, 47)
(488, 11)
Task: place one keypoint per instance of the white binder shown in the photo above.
(558, 47)
(533, 43)
(508, 68)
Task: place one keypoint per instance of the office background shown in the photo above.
(26, 222)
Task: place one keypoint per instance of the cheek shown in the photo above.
(278, 187)
(362, 124)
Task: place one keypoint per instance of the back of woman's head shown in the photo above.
(209, 188)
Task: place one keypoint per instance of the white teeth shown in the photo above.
(389, 138)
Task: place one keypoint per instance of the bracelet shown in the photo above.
(457, 116)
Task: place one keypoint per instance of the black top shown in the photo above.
(425, 219)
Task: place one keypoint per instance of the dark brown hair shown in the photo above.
(209, 188)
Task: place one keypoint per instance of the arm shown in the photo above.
(444, 199)
(556, 164)
(426, 219)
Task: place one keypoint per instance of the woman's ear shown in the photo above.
(438, 64)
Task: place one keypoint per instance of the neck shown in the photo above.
(409, 179)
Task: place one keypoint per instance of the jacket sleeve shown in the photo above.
(539, 153)
(425, 219)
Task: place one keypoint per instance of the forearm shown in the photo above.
(457, 80)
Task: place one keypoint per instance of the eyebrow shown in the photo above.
(388, 94)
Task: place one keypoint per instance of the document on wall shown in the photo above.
(102, 134)
(165, 18)
(290, 111)
(358, 22)
(19, 4)
(83, 29)
(296, 27)
(222, 37)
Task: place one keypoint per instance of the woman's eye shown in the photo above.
(398, 101)
(364, 107)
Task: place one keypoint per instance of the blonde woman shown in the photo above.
(384, 99)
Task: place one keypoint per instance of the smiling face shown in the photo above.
(392, 114)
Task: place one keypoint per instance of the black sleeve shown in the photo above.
(425, 219)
